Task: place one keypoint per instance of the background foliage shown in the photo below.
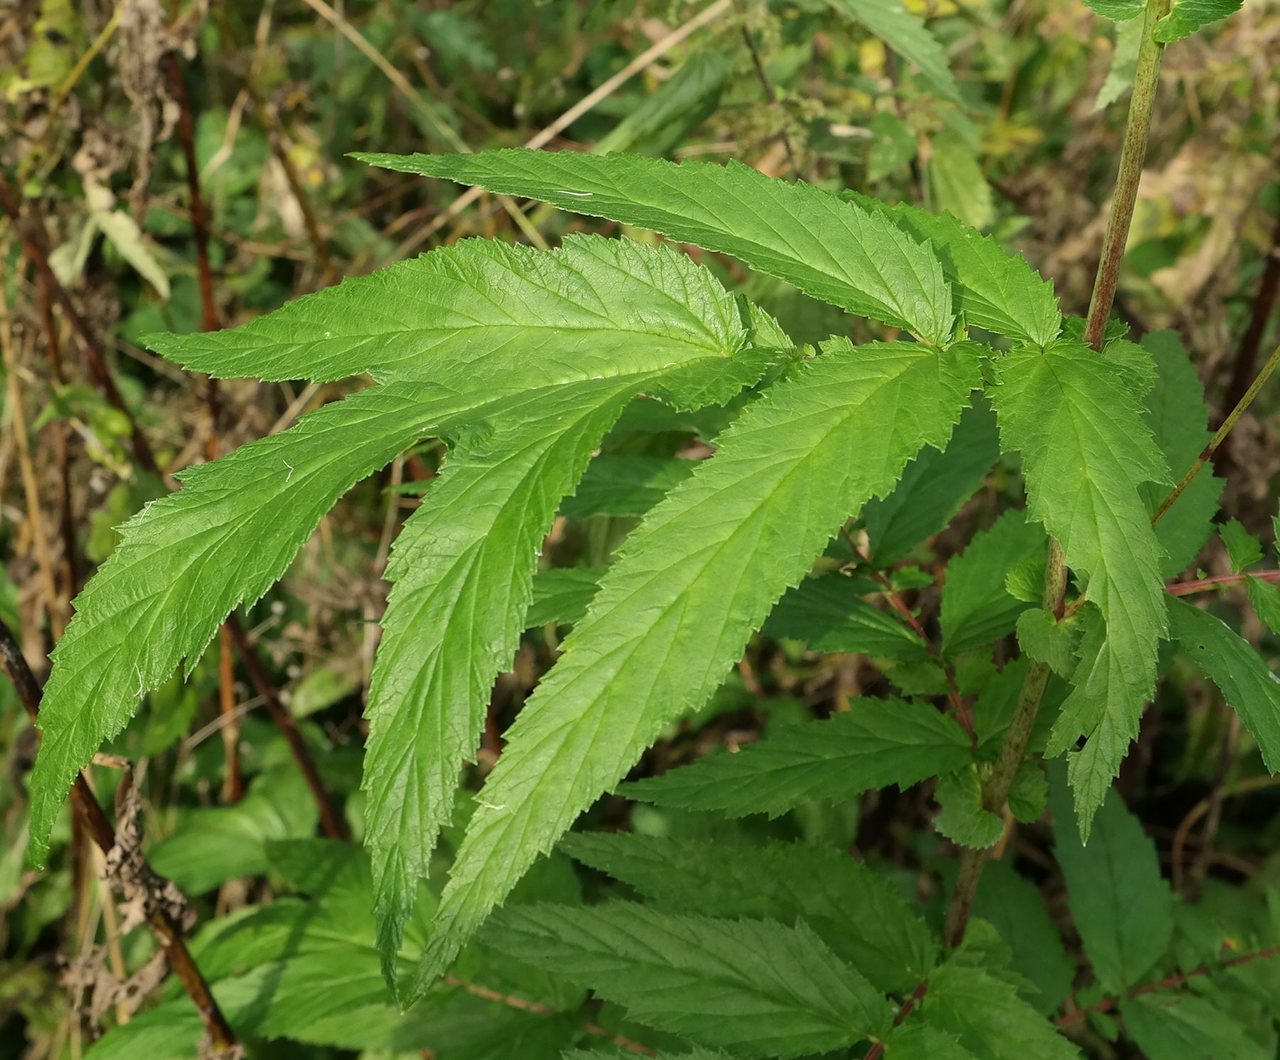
(1006, 115)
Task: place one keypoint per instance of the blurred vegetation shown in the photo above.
(101, 105)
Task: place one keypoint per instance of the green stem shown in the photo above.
(995, 792)
(1222, 432)
(1132, 154)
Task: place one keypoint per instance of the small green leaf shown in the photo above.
(1044, 639)
(1121, 906)
(1188, 16)
(1118, 10)
(1243, 549)
(958, 184)
(754, 986)
(876, 743)
(1264, 596)
(832, 250)
(675, 108)
(962, 818)
(976, 606)
(1231, 663)
(829, 615)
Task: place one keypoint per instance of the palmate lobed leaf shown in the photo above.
(1085, 450)
(833, 250)
(607, 316)
(692, 584)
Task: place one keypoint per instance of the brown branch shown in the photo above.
(31, 245)
(1108, 1003)
(233, 779)
(330, 820)
(333, 823)
(167, 931)
(1251, 341)
(1201, 584)
(771, 97)
(917, 995)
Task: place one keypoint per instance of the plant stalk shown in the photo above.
(1132, 155)
(168, 932)
(1241, 406)
(995, 791)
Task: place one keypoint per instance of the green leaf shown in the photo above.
(462, 579)
(1188, 16)
(962, 818)
(1124, 64)
(218, 843)
(1169, 1026)
(1085, 451)
(186, 561)
(917, 1040)
(463, 567)
(693, 582)
(677, 107)
(877, 742)
(753, 986)
(1017, 910)
(1178, 418)
(976, 607)
(1045, 639)
(905, 34)
(1264, 596)
(561, 595)
(1121, 905)
(483, 314)
(988, 1017)
(1243, 549)
(958, 184)
(859, 914)
(932, 489)
(1029, 796)
(1231, 663)
(1118, 10)
(624, 486)
(830, 249)
(994, 288)
(828, 614)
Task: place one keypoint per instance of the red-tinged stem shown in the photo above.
(1168, 983)
(1202, 584)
